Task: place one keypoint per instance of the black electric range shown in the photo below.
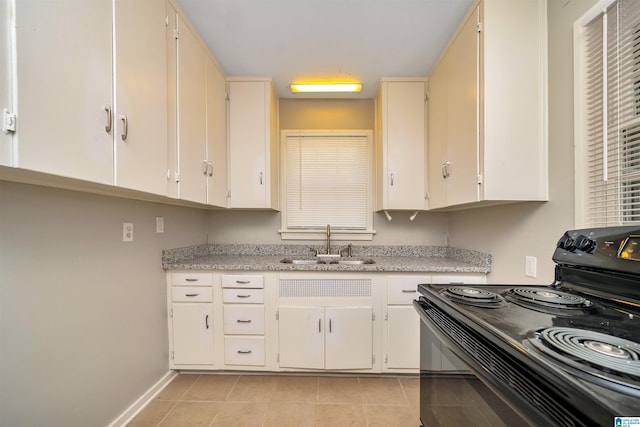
(563, 354)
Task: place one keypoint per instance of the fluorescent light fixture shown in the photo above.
(326, 87)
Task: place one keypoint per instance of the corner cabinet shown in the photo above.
(253, 144)
(74, 128)
(400, 144)
(487, 114)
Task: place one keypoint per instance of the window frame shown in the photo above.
(318, 233)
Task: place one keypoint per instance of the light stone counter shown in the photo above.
(247, 257)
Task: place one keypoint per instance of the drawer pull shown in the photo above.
(243, 282)
(409, 291)
(243, 321)
(191, 295)
(191, 279)
(244, 296)
(206, 321)
(244, 351)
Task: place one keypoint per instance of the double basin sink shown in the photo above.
(340, 261)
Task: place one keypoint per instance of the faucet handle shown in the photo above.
(314, 251)
(346, 248)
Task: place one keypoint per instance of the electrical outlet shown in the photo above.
(127, 232)
(159, 224)
(530, 266)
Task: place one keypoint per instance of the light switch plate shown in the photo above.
(159, 224)
(530, 266)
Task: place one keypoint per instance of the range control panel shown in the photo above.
(612, 248)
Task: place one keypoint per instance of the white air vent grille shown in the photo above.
(313, 288)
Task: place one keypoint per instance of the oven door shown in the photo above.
(450, 394)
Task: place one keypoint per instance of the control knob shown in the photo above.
(566, 242)
(584, 243)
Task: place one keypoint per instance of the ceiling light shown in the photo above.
(326, 87)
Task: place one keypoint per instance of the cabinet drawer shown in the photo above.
(192, 279)
(404, 289)
(244, 351)
(243, 296)
(191, 294)
(243, 320)
(243, 281)
(459, 279)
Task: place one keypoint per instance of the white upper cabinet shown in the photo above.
(63, 67)
(69, 76)
(197, 118)
(400, 140)
(140, 113)
(216, 134)
(253, 144)
(487, 139)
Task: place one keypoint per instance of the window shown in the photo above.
(608, 115)
(327, 180)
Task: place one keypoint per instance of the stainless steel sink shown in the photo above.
(340, 261)
(356, 261)
(300, 261)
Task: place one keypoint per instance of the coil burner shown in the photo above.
(609, 358)
(547, 299)
(474, 296)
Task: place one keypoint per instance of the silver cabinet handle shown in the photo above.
(319, 328)
(391, 180)
(191, 295)
(409, 291)
(191, 279)
(445, 169)
(210, 168)
(107, 108)
(244, 351)
(260, 178)
(243, 296)
(243, 321)
(205, 167)
(125, 127)
(243, 282)
(206, 321)
(329, 325)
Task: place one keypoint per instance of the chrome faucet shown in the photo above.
(328, 239)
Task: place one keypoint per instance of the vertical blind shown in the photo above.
(327, 181)
(612, 112)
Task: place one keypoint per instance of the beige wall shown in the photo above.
(83, 318)
(511, 232)
(326, 113)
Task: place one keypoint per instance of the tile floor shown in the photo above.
(284, 400)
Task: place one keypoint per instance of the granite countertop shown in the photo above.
(248, 257)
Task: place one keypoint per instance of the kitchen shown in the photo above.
(71, 290)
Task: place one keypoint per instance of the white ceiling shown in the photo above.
(327, 40)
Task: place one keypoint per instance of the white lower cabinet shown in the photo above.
(244, 321)
(402, 332)
(326, 337)
(191, 320)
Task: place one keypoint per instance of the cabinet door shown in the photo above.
(349, 337)
(64, 82)
(403, 338)
(301, 337)
(437, 142)
(192, 334)
(216, 135)
(405, 143)
(463, 115)
(248, 136)
(141, 94)
(191, 121)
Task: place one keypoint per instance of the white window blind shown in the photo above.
(327, 181)
(611, 85)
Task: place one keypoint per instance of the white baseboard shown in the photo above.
(137, 406)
